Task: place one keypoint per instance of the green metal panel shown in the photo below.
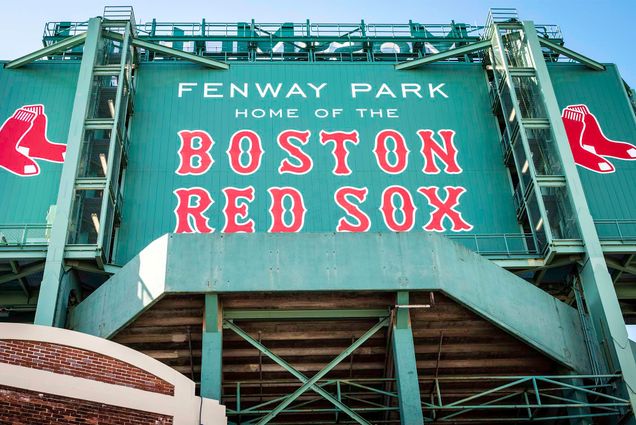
(27, 199)
(331, 262)
(604, 94)
(160, 114)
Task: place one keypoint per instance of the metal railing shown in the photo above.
(445, 399)
(306, 29)
(616, 230)
(499, 15)
(232, 30)
(60, 30)
(119, 13)
(242, 400)
(532, 398)
(499, 245)
(24, 234)
(292, 41)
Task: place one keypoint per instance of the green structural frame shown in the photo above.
(599, 290)
(54, 286)
(600, 295)
(56, 282)
(366, 262)
(212, 349)
(426, 262)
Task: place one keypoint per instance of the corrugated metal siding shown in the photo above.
(160, 114)
(610, 196)
(27, 199)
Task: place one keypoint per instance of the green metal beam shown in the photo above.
(24, 271)
(212, 349)
(61, 46)
(89, 266)
(27, 253)
(305, 314)
(180, 54)
(590, 63)
(15, 268)
(406, 375)
(282, 363)
(626, 263)
(137, 42)
(620, 267)
(52, 280)
(469, 48)
(581, 408)
(314, 379)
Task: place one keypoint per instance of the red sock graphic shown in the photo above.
(595, 141)
(574, 122)
(11, 132)
(35, 144)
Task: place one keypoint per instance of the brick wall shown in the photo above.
(80, 363)
(22, 407)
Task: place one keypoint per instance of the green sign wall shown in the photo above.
(309, 147)
(35, 111)
(313, 148)
(611, 195)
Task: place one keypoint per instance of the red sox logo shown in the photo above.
(588, 142)
(23, 140)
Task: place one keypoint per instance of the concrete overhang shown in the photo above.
(265, 262)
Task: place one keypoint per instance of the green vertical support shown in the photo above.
(408, 385)
(600, 295)
(580, 415)
(68, 283)
(50, 290)
(212, 348)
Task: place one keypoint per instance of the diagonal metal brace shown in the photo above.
(169, 51)
(590, 63)
(310, 383)
(229, 325)
(458, 51)
(180, 54)
(61, 46)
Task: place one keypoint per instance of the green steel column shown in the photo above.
(578, 414)
(598, 288)
(212, 348)
(50, 289)
(405, 365)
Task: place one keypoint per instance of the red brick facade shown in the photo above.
(22, 407)
(80, 363)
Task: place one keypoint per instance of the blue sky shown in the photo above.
(601, 30)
